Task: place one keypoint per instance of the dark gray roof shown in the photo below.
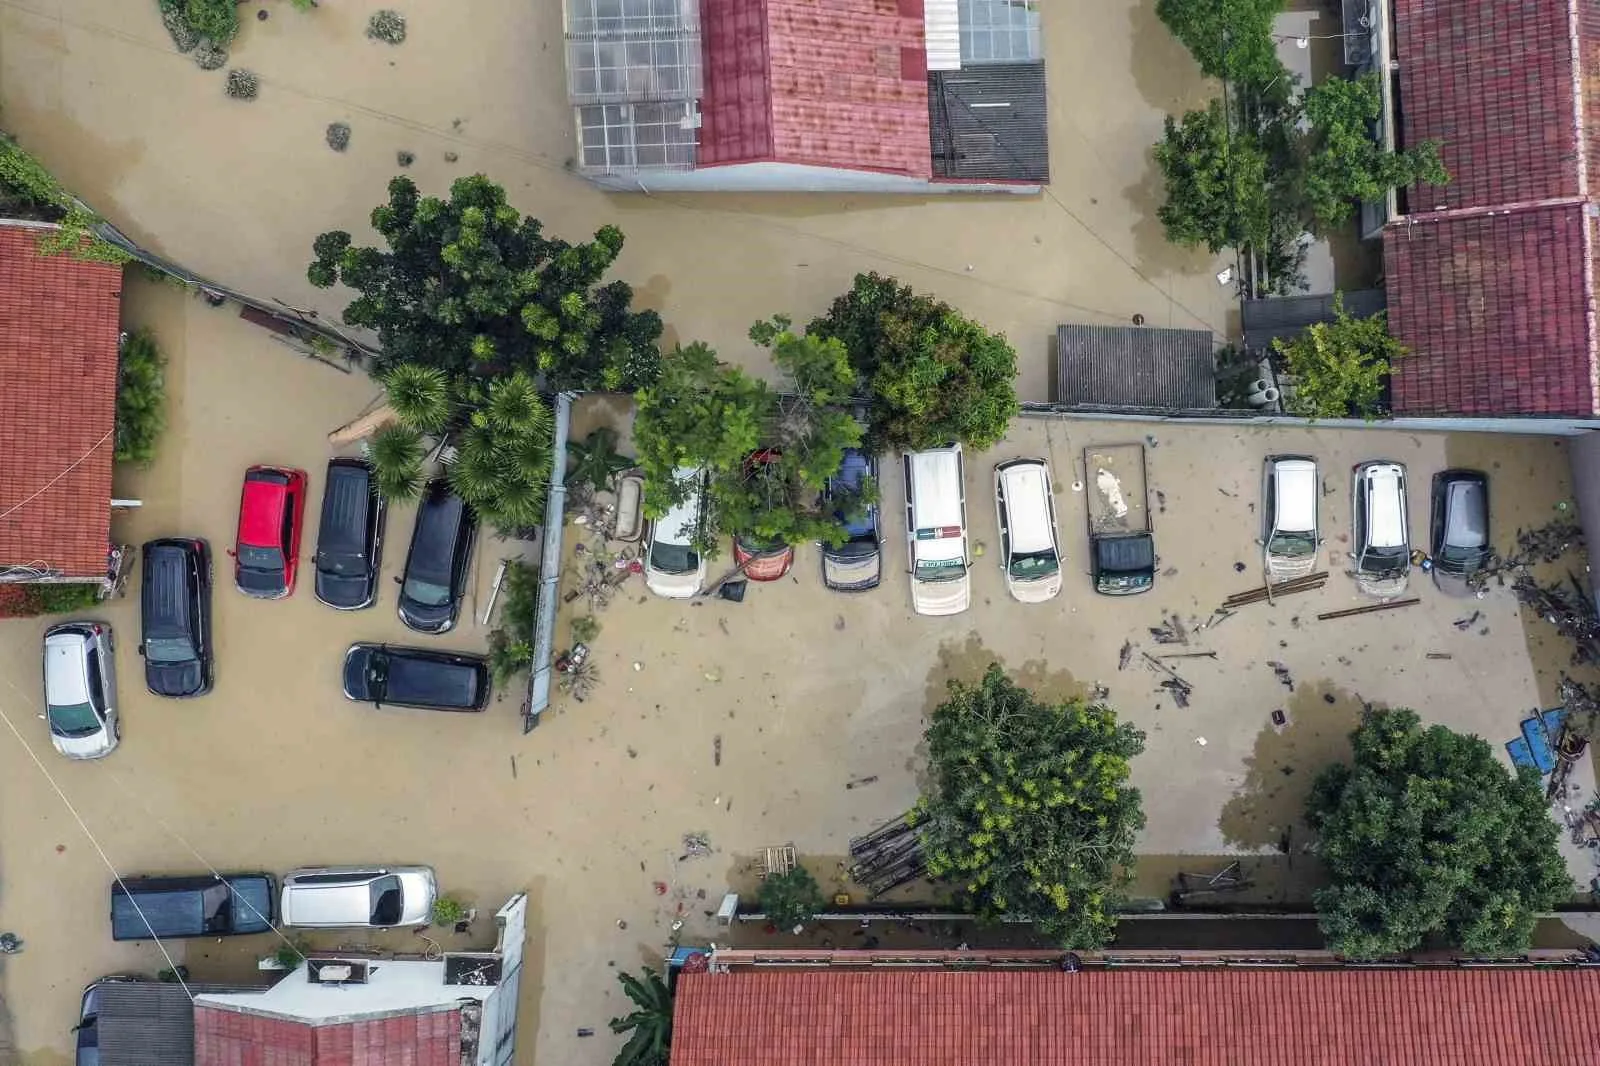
(988, 122)
(146, 1022)
(1135, 367)
(1286, 317)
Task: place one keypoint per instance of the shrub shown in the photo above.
(216, 19)
(1340, 367)
(209, 57)
(791, 899)
(511, 643)
(338, 136)
(141, 399)
(585, 628)
(30, 601)
(387, 26)
(243, 84)
(448, 911)
(184, 38)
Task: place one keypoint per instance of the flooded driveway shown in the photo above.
(238, 190)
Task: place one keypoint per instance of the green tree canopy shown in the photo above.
(1339, 368)
(1428, 837)
(1230, 39)
(1216, 184)
(1343, 164)
(469, 284)
(768, 452)
(649, 1026)
(1030, 811)
(791, 899)
(932, 375)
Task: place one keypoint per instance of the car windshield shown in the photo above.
(1384, 560)
(74, 720)
(673, 558)
(386, 901)
(269, 560)
(1462, 556)
(426, 593)
(1295, 545)
(342, 564)
(1030, 565)
(939, 569)
(168, 650)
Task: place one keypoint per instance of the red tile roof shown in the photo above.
(1139, 1018)
(234, 1038)
(58, 399)
(831, 83)
(1496, 312)
(1490, 278)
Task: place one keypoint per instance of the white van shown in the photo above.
(1029, 547)
(1290, 489)
(1382, 537)
(936, 530)
(673, 567)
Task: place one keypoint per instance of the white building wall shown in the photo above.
(791, 177)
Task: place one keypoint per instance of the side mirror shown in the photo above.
(141, 651)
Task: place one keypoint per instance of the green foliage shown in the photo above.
(1428, 837)
(303, 5)
(768, 454)
(28, 600)
(650, 1024)
(1339, 367)
(75, 237)
(792, 899)
(420, 396)
(387, 26)
(395, 451)
(1343, 164)
(290, 955)
(28, 190)
(505, 451)
(585, 627)
(141, 399)
(216, 19)
(470, 285)
(243, 84)
(1030, 811)
(1230, 39)
(448, 911)
(511, 642)
(933, 376)
(1216, 184)
(594, 460)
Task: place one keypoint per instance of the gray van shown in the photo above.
(349, 537)
(175, 617)
(191, 906)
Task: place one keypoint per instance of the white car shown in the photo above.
(345, 897)
(1290, 488)
(1382, 538)
(673, 567)
(936, 531)
(1030, 551)
(80, 689)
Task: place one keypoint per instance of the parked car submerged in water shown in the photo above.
(193, 905)
(857, 564)
(1030, 552)
(673, 567)
(1381, 541)
(415, 677)
(266, 553)
(435, 575)
(349, 537)
(345, 897)
(1290, 489)
(936, 531)
(175, 617)
(80, 689)
(1459, 541)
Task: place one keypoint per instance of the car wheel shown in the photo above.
(116, 730)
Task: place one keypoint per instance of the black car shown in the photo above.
(1459, 533)
(192, 906)
(413, 677)
(175, 617)
(349, 537)
(857, 564)
(435, 577)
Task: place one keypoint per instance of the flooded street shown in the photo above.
(795, 716)
(237, 191)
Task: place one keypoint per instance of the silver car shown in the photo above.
(1290, 537)
(80, 689)
(344, 897)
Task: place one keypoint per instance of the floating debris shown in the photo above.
(1125, 655)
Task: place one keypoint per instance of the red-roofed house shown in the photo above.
(894, 1016)
(459, 1010)
(1491, 278)
(808, 95)
(59, 330)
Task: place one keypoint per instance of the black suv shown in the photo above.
(435, 577)
(191, 906)
(349, 537)
(414, 677)
(175, 617)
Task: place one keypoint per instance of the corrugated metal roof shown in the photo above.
(988, 123)
(145, 1022)
(1135, 367)
(941, 34)
(1286, 317)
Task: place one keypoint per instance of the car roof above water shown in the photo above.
(1295, 501)
(1028, 505)
(346, 505)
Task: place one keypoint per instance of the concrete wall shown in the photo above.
(790, 177)
(1584, 452)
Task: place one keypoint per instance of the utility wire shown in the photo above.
(14, 508)
(84, 826)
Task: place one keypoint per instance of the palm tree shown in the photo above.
(476, 474)
(651, 1022)
(396, 455)
(595, 461)
(420, 395)
(514, 403)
